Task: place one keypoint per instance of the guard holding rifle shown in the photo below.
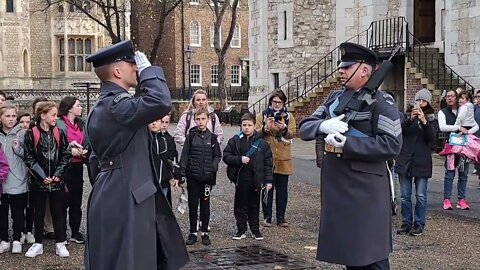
(363, 131)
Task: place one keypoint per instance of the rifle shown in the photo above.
(351, 106)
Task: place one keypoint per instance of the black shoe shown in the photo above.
(192, 239)
(239, 235)
(206, 239)
(404, 229)
(267, 222)
(282, 222)
(257, 235)
(50, 235)
(77, 238)
(417, 230)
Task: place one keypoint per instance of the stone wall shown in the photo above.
(462, 39)
(289, 38)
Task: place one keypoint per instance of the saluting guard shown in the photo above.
(130, 224)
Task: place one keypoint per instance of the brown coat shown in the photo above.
(281, 151)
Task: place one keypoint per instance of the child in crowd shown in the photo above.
(249, 161)
(165, 156)
(14, 197)
(23, 120)
(47, 155)
(4, 241)
(466, 113)
(199, 164)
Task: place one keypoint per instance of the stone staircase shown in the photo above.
(306, 106)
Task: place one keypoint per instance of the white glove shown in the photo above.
(333, 125)
(142, 61)
(337, 139)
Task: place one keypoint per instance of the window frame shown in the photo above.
(212, 35)
(199, 75)
(239, 75)
(199, 29)
(212, 75)
(239, 30)
(66, 53)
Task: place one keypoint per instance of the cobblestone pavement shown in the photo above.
(449, 241)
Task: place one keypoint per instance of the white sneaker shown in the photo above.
(4, 246)
(61, 250)
(22, 238)
(16, 247)
(35, 250)
(30, 238)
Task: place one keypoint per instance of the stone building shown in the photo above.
(191, 24)
(440, 44)
(46, 50)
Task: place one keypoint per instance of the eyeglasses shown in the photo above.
(277, 102)
(451, 96)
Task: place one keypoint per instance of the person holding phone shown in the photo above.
(277, 126)
(414, 163)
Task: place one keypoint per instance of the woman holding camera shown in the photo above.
(277, 126)
(414, 163)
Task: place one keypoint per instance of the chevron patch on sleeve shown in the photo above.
(389, 126)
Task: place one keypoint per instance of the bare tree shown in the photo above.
(166, 7)
(109, 14)
(219, 8)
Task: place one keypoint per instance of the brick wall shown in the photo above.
(412, 87)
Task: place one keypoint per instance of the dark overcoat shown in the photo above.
(355, 217)
(130, 224)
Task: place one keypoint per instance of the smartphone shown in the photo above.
(416, 105)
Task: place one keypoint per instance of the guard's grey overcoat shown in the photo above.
(130, 223)
(355, 218)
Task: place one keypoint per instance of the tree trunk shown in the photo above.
(222, 91)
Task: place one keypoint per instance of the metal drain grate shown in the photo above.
(249, 257)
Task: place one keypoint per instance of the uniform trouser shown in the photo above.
(57, 208)
(380, 265)
(280, 185)
(247, 205)
(16, 205)
(73, 196)
(29, 212)
(198, 193)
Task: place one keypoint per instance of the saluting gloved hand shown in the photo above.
(337, 139)
(333, 125)
(142, 61)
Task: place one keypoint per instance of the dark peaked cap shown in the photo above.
(352, 53)
(122, 51)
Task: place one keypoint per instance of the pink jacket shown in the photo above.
(3, 169)
(471, 151)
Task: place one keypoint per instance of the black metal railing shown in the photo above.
(432, 64)
(384, 34)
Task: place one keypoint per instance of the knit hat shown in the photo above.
(424, 94)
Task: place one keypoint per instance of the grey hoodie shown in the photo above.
(17, 180)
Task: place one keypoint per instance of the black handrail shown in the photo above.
(427, 60)
(383, 34)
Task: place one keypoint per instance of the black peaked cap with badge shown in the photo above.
(352, 53)
(121, 51)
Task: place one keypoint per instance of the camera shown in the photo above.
(277, 117)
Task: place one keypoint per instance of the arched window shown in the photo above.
(26, 64)
(236, 38)
(195, 34)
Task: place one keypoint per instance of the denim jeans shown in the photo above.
(448, 182)
(406, 184)
(280, 184)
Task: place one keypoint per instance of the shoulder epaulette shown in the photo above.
(120, 97)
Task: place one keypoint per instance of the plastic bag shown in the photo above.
(182, 201)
